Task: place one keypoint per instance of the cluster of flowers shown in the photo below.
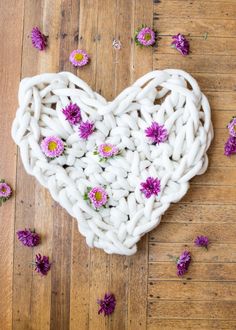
(183, 262)
(144, 37)
(30, 238)
(230, 145)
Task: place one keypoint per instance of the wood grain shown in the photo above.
(148, 292)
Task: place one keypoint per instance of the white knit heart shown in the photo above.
(169, 97)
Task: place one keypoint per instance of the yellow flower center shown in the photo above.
(98, 196)
(235, 128)
(52, 145)
(147, 36)
(3, 189)
(107, 148)
(78, 57)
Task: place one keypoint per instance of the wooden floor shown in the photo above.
(149, 295)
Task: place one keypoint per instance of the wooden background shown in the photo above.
(149, 295)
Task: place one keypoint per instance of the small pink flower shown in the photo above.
(107, 304)
(38, 39)
(152, 186)
(42, 264)
(98, 196)
(28, 237)
(5, 191)
(181, 44)
(72, 113)
(86, 129)
(52, 146)
(79, 57)
(232, 127)
(107, 150)
(145, 37)
(157, 133)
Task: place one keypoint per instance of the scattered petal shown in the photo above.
(98, 196)
(152, 186)
(232, 127)
(38, 39)
(86, 129)
(183, 263)
(181, 44)
(107, 304)
(42, 264)
(79, 57)
(202, 241)
(28, 237)
(52, 146)
(157, 133)
(230, 146)
(72, 113)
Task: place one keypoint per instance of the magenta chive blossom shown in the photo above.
(72, 113)
(145, 36)
(42, 264)
(98, 197)
(38, 39)
(5, 191)
(28, 237)
(157, 133)
(107, 304)
(152, 186)
(183, 263)
(181, 44)
(232, 127)
(52, 146)
(107, 150)
(230, 146)
(202, 241)
(86, 129)
(79, 57)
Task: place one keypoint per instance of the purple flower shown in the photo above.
(5, 192)
(79, 57)
(230, 146)
(145, 37)
(181, 44)
(52, 146)
(150, 187)
(72, 113)
(86, 129)
(202, 241)
(38, 39)
(98, 196)
(232, 127)
(107, 150)
(183, 263)
(107, 304)
(28, 237)
(42, 264)
(157, 133)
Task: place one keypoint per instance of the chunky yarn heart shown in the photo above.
(170, 97)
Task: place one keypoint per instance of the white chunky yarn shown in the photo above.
(169, 97)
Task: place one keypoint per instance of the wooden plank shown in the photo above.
(104, 58)
(138, 272)
(210, 195)
(186, 233)
(200, 45)
(196, 63)
(217, 252)
(10, 76)
(180, 212)
(156, 324)
(216, 176)
(220, 310)
(195, 9)
(119, 270)
(196, 27)
(216, 82)
(186, 290)
(222, 101)
(218, 159)
(80, 267)
(220, 119)
(197, 272)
